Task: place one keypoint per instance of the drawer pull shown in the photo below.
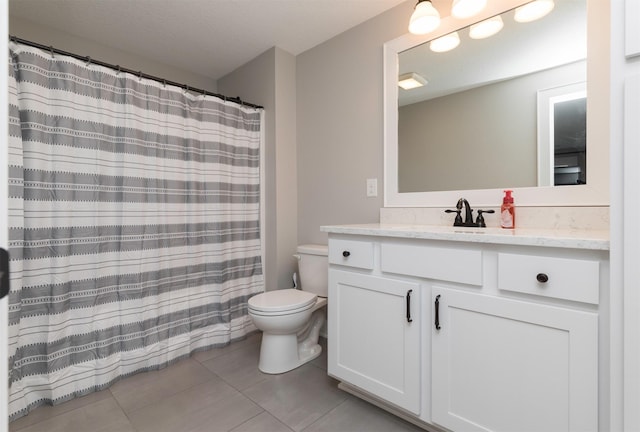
(542, 278)
(346, 254)
(437, 322)
(409, 306)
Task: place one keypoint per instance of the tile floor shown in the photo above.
(218, 390)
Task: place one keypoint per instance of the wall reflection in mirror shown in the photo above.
(508, 110)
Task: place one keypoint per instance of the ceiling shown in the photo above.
(207, 37)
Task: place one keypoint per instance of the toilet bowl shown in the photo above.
(291, 319)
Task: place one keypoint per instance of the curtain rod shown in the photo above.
(136, 73)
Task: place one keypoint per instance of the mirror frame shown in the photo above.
(594, 193)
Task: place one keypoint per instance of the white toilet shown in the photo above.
(291, 319)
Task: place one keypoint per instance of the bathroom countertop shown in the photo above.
(576, 239)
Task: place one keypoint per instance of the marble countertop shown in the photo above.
(575, 239)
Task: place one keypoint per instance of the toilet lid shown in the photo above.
(281, 300)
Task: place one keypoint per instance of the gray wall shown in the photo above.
(48, 36)
(483, 138)
(340, 145)
(269, 80)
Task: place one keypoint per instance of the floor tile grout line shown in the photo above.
(168, 395)
(247, 420)
(122, 409)
(325, 414)
(71, 411)
(210, 376)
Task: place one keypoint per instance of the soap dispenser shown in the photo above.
(507, 211)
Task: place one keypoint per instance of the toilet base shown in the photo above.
(281, 353)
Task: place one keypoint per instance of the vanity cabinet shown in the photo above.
(509, 365)
(374, 336)
(470, 333)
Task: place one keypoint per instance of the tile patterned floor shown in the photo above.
(214, 391)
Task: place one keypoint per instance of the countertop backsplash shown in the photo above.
(571, 218)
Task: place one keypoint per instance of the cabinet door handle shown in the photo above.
(346, 254)
(542, 277)
(437, 322)
(409, 306)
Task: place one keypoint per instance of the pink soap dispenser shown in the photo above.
(508, 211)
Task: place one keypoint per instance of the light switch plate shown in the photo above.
(372, 187)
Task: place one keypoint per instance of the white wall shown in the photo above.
(51, 37)
(340, 131)
(269, 80)
(625, 232)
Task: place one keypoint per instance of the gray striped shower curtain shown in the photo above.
(134, 225)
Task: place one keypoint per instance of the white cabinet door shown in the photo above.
(508, 365)
(374, 336)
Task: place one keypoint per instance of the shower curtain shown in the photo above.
(134, 225)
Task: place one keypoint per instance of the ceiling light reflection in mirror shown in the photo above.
(533, 11)
(462, 9)
(486, 28)
(445, 43)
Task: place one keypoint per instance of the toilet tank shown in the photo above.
(313, 268)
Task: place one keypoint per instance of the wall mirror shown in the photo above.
(507, 111)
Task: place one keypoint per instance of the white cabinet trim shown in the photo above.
(631, 274)
(632, 31)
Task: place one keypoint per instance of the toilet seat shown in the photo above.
(281, 302)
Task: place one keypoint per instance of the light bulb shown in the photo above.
(445, 43)
(533, 11)
(425, 18)
(467, 8)
(486, 28)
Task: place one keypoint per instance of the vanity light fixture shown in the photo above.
(445, 43)
(425, 18)
(411, 80)
(533, 11)
(467, 8)
(486, 28)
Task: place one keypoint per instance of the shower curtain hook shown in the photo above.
(164, 83)
(88, 61)
(118, 71)
(51, 50)
(139, 75)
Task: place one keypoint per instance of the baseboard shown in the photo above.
(389, 408)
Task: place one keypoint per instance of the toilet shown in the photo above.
(291, 319)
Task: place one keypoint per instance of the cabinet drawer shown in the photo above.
(351, 253)
(461, 265)
(568, 279)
